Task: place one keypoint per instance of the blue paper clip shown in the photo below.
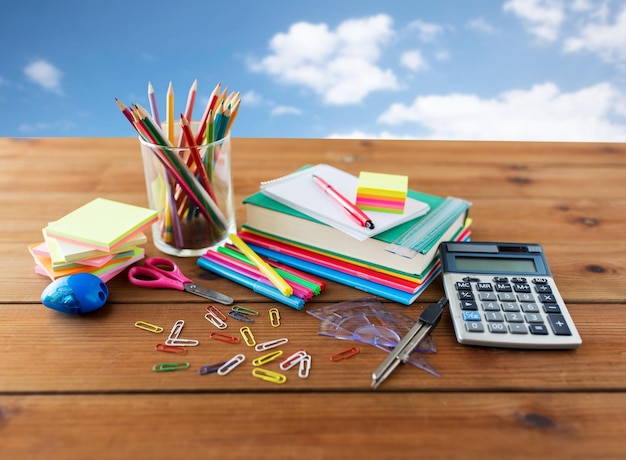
(240, 316)
(210, 368)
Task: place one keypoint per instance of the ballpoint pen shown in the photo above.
(353, 211)
(400, 354)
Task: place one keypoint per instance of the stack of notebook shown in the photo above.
(293, 222)
(102, 237)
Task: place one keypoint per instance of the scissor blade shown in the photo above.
(208, 293)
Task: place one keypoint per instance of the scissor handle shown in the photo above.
(152, 278)
(167, 268)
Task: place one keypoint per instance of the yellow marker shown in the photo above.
(268, 271)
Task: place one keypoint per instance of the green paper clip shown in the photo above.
(167, 367)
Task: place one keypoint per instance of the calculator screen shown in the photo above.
(495, 264)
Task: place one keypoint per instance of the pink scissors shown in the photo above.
(161, 273)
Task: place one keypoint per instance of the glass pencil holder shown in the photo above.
(191, 189)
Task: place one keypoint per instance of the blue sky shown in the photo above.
(452, 69)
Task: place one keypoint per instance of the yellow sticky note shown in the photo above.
(102, 224)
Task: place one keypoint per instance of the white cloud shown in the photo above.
(251, 98)
(606, 40)
(542, 112)
(543, 18)
(358, 134)
(482, 25)
(45, 75)
(413, 60)
(340, 65)
(427, 31)
(285, 110)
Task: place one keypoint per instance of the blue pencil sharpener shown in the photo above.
(78, 293)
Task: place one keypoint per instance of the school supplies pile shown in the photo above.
(102, 237)
(187, 167)
(293, 222)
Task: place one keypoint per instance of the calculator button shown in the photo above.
(540, 281)
(465, 295)
(533, 318)
(471, 316)
(514, 317)
(474, 326)
(506, 296)
(484, 286)
(521, 287)
(463, 286)
(491, 306)
(468, 305)
(547, 298)
(551, 308)
(558, 325)
(486, 296)
(494, 316)
(510, 306)
(525, 297)
(538, 329)
(543, 289)
(503, 287)
(500, 279)
(517, 328)
(530, 307)
(497, 328)
(518, 280)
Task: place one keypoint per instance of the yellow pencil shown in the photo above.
(170, 114)
(268, 271)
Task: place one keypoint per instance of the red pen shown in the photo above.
(353, 211)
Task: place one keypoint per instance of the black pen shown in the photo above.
(353, 211)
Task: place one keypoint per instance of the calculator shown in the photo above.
(503, 295)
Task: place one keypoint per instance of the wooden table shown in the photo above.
(82, 386)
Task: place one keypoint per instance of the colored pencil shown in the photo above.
(170, 114)
(153, 104)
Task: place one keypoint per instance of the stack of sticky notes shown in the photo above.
(382, 192)
(101, 237)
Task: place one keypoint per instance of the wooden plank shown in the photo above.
(512, 425)
(104, 351)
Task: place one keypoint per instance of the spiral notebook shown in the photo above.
(299, 191)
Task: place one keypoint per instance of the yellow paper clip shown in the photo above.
(167, 367)
(270, 344)
(247, 335)
(344, 354)
(148, 327)
(231, 364)
(274, 317)
(267, 358)
(244, 310)
(269, 376)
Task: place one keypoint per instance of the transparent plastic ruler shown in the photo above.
(421, 236)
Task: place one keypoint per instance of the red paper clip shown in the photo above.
(170, 348)
(344, 354)
(224, 337)
(213, 309)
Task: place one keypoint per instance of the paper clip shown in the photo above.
(344, 354)
(239, 316)
(292, 359)
(270, 344)
(149, 327)
(216, 312)
(305, 367)
(173, 339)
(247, 335)
(167, 367)
(215, 320)
(274, 317)
(267, 358)
(210, 368)
(224, 338)
(269, 376)
(170, 348)
(231, 364)
(244, 310)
